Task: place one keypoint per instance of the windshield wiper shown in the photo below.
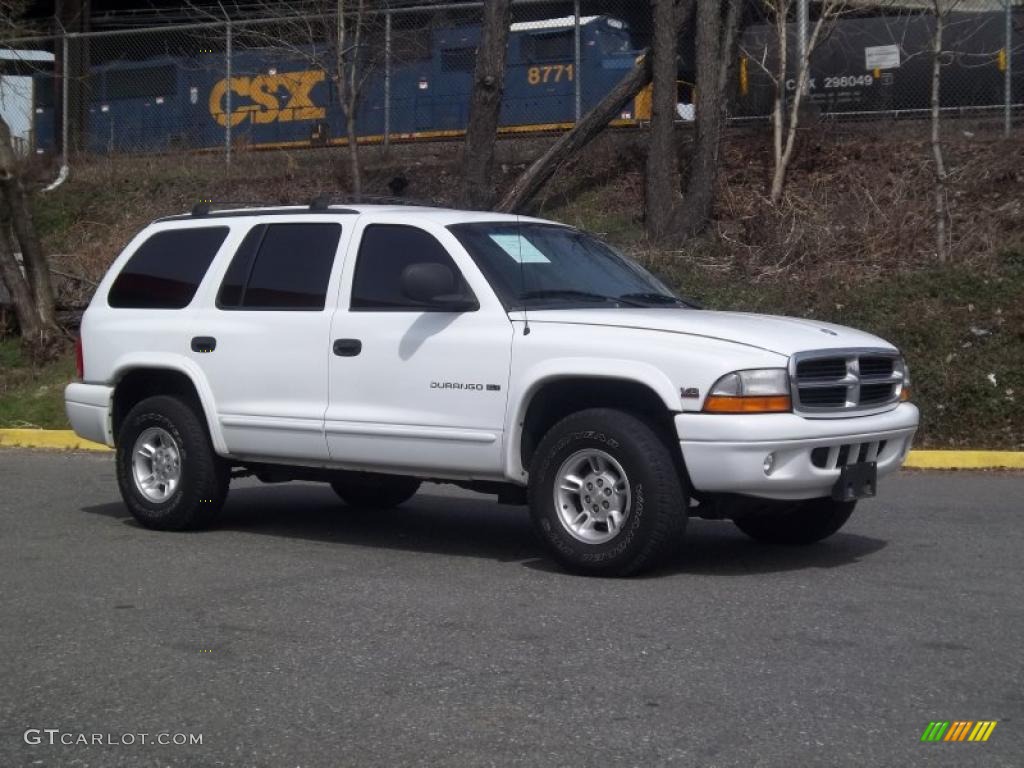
(658, 298)
(566, 293)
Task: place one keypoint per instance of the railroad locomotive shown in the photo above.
(273, 99)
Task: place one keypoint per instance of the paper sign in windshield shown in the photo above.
(520, 249)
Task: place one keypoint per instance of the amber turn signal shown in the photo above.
(905, 394)
(748, 404)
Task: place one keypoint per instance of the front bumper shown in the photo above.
(88, 409)
(726, 454)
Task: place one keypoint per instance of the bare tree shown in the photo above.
(789, 93)
(673, 211)
(533, 179)
(589, 127)
(31, 291)
(348, 78)
(941, 9)
(716, 49)
(485, 105)
(663, 201)
(29, 321)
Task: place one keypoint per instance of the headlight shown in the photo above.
(764, 390)
(905, 389)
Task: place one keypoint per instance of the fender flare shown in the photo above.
(550, 370)
(183, 365)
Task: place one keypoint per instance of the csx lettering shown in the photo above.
(791, 84)
(262, 94)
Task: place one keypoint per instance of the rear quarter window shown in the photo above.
(166, 270)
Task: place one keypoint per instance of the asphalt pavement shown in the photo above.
(301, 632)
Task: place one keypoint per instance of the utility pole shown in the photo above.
(1008, 72)
(576, 64)
(802, 24)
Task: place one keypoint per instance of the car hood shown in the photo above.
(783, 335)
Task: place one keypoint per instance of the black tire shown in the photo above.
(372, 491)
(800, 524)
(657, 511)
(204, 476)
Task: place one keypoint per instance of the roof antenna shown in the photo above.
(522, 276)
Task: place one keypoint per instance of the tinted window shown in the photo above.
(458, 59)
(384, 254)
(45, 90)
(166, 270)
(230, 294)
(614, 41)
(141, 82)
(546, 265)
(281, 266)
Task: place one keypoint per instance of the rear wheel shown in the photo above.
(605, 494)
(169, 475)
(372, 491)
(802, 523)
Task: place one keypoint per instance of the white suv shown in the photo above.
(373, 347)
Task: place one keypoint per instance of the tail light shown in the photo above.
(79, 359)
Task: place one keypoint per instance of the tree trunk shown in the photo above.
(18, 211)
(485, 105)
(941, 245)
(784, 150)
(715, 48)
(346, 79)
(74, 16)
(663, 201)
(17, 285)
(354, 164)
(590, 125)
(779, 108)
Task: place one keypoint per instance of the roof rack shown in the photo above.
(323, 202)
(205, 207)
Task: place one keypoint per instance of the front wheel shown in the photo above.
(802, 523)
(169, 475)
(605, 494)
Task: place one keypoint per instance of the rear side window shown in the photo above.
(165, 271)
(281, 266)
(384, 253)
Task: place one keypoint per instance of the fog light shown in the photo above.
(769, 463)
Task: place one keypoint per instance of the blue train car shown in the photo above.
(884, 64)
(131, 104)
(183, 102)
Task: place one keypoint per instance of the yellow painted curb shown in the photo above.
(61, 439)
(965, 460)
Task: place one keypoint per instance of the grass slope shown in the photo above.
(32, 396)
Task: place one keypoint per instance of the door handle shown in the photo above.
(204, 344)
(347, 347)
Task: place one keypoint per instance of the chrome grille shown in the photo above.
(824, 368)
(839, 381)
(876, 366)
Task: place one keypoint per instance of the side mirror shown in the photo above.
(434, 284)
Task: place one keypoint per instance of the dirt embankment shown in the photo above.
(852, 242)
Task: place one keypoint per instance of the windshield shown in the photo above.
(554, 267)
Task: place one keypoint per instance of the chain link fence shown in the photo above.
(406, 74)
(880, 65)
